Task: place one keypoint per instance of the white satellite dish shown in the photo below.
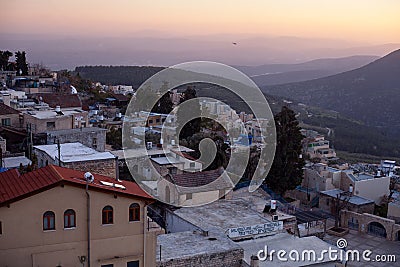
(73, 90)
(89, 177)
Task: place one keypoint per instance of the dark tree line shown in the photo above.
(20, 65)
(286, 172)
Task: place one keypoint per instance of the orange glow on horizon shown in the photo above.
(373, 21)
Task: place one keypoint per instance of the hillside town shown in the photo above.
(69, 194)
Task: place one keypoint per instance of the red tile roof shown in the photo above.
(120, 97)
(195, 179)
(5, 110)
(14, 186)
(62, 100)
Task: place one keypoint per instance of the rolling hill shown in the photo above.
(370, 94)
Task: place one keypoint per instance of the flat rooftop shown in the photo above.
(222, 214)
(356, 200)
(142, 152)
(49, 114)
(14, 162)
(167, 160)
(77, 130)
(188, 244)
(74, 152)
(286, 242)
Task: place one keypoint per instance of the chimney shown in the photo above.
(254, 261)
(58, 109)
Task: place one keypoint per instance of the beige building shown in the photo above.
(320, 177)
(315, 146)
(366, 185)
(54, 119)
(44, 220)
(328, 202)
(9, 116)
(194, 188)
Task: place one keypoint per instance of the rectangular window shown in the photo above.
(6, 122)
(1, 228)
(150, 121)
(157, 120)
(132, 264)
(51, 125)
(173, 170)
(189, 196)
(192, 164)
(107, 265)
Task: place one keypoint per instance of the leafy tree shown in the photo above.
(189, 127)
(114, 138)
(254, 157)
(4, 58)
(20, 59)
(287, 168)
(164, 105)
(221, 157)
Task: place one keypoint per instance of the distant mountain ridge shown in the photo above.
(271, 74)
(370, 94)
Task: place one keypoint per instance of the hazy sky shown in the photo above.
(372, 21)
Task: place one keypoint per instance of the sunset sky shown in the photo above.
(372, 21)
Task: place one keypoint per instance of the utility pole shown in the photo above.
(59, 152)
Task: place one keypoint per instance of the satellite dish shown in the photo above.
(73, 90)
(89, 177)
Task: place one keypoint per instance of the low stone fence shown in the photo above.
(363, 221)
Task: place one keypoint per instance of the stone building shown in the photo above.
(371, 224)
(199, 249)
(51, 120)
(327, 202)
(92, 137)
(9, 116)
(78, 157)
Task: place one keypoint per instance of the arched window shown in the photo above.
(49, 221)
(134, 212)
(69, 219)
(107, 215)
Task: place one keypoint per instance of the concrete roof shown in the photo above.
(76, 130)
(14, 162)
(167, 161)
(356, 200)
(188, 244)
(49, 114)
(222, 214)
(142, 152)
(74, 152)
(360, 176)
(287, 243)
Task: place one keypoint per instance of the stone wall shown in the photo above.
(95, 139)
(327, 203)
(105, 167)
(232, 258)
(364, 219)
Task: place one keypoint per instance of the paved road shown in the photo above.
(378, 246)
